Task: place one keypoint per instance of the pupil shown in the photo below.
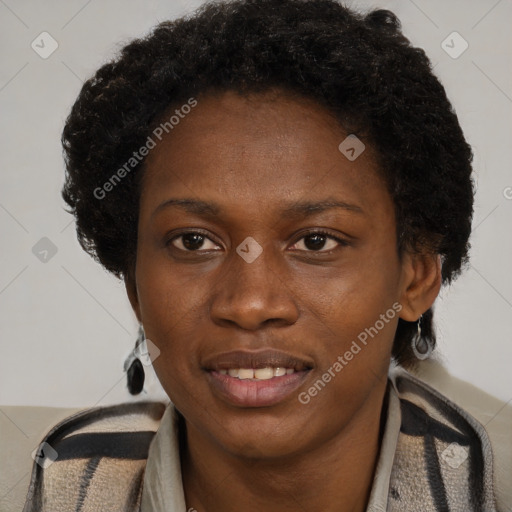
(196, 239)
(319, 241)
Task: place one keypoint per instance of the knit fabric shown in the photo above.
(94, 460)
(434, 457)
(443, 457)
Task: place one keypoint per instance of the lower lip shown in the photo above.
(256, 393)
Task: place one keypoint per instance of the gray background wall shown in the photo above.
(66, 325)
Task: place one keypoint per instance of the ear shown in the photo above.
(131, 289)
(421, 282)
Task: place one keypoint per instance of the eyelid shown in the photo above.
(195, 231)
(322, 231)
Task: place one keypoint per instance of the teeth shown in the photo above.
(263, 373)
(258, 374)
(245, 373)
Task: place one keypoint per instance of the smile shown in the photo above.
(259, 378)
(255, 392)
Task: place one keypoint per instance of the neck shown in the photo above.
(336, 475)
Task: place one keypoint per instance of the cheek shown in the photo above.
(165, 296)
(173, 329)
(355, 315)
(170, 307)
(353, 298)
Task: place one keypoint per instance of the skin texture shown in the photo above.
(252, 155)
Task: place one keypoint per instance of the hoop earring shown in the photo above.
(420, 346)
(133, 367)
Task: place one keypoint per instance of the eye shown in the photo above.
(191, 241)
(313, 241)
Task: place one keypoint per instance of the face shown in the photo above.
(263, 247)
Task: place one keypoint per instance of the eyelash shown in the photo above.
(340, 241)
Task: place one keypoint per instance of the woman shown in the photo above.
(284, 187)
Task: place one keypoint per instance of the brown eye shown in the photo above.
(316, 241)
(191, 241)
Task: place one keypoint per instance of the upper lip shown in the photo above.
(256, 359)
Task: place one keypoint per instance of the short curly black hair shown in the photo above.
(360, 66)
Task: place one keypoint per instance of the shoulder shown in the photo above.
(462, 407)
(103, 446)
(21, 430)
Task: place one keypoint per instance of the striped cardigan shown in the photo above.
(441, 458)
(94, 460)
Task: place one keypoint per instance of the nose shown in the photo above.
(253, 294)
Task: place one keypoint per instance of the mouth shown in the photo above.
(256, 379)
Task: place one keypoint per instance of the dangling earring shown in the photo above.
(134, 368)
(420, 346)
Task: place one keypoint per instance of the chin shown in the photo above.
(262, 436)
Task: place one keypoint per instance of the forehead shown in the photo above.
(263, 149)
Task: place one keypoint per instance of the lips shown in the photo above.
(233, 376)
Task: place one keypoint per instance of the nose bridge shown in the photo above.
(253, 265)
(250, 291)
(252, 272)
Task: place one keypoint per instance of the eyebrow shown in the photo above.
(291, 210)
